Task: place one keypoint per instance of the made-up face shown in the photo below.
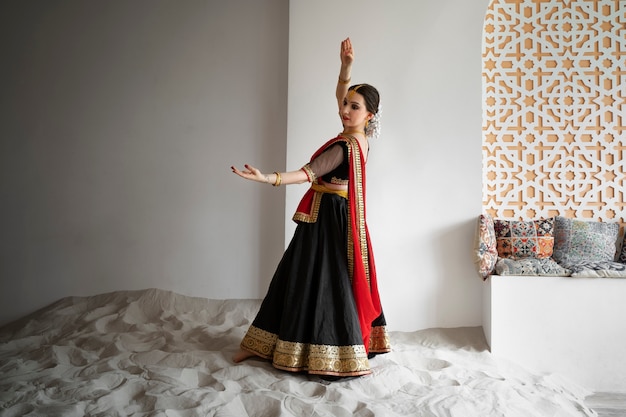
(353, 112)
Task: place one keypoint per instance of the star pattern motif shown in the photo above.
(554, 109)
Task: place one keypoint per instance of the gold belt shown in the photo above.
(323, 189)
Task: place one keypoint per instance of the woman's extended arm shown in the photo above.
(321, 165)
(275, 178)
(343, 83)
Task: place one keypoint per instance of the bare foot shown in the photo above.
(242, 355)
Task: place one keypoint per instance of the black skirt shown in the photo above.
(308, 319)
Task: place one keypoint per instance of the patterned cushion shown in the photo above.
(485, 252)
(622, 253)
(530, 266)
(524, 239)
(604, 269)
(578, 240)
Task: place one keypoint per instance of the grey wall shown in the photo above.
(119, 121)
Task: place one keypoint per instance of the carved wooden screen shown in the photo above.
(554, 109)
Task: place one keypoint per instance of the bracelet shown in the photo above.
(279, 180)
(342, 81)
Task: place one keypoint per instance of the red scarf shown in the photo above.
(360, 256)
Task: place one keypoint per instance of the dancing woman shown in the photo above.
(322, 312)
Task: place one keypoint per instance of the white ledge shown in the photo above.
(575, 327)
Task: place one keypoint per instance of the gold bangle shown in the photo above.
(279, 180)
(342, 81)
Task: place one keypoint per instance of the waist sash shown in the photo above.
(321, 188)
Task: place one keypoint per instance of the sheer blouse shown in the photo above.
(332, 165)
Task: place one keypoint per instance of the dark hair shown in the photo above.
(370, 94)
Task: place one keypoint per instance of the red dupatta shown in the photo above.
(360, 256)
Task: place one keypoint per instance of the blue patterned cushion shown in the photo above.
(530, 266)
(604, 269)
(578, 240)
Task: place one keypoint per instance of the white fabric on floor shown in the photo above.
(157, 353)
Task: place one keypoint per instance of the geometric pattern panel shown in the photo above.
(554, 109)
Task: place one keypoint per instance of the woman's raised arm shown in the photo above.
(343, 83)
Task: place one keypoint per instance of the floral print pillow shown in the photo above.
(485, 252)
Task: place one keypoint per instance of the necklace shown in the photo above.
(352, 133)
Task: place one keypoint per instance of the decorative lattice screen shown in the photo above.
(554, 109)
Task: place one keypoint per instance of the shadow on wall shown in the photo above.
(457, 287)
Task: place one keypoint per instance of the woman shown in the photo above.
(322, 311)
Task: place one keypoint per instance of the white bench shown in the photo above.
(575, 327)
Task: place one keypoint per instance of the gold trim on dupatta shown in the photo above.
(315, 209)
(354, 152)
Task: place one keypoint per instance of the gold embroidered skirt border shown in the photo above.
(379, 340)
(314, 359)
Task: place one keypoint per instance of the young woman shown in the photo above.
(322, 311)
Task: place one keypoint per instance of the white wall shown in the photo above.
(119, 120)
(424, 172)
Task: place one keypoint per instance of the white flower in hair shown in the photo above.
(373, 127)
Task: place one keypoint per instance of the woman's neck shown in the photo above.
(353, 132)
